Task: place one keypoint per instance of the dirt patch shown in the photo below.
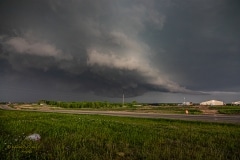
(206, 110)
(34, 107)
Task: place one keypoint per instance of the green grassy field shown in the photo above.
(227, 109)
(66, 136)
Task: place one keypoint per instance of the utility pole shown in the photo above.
(123, 100)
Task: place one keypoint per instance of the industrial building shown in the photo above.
(212, 103)
(236, 103)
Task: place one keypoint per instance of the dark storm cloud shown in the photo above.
(200, 40)
(107, 47)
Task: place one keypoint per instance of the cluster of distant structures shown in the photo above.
(210, 103)
(135, 104)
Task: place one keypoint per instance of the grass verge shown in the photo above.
(227, 109)
(66, 136)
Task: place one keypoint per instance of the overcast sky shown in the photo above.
(152, 50)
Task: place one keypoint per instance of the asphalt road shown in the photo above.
(207, 118)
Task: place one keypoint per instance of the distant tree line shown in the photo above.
(162, 104)
(84, 104)
(3, 102)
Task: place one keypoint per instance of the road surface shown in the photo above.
(206, 118)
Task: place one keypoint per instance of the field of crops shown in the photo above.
(66, 136)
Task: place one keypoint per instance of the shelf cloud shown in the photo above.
(110, 47)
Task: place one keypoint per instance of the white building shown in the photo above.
(187, 103)
(236, 103)
(212, 103)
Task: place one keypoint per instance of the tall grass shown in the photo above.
(65, 136)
